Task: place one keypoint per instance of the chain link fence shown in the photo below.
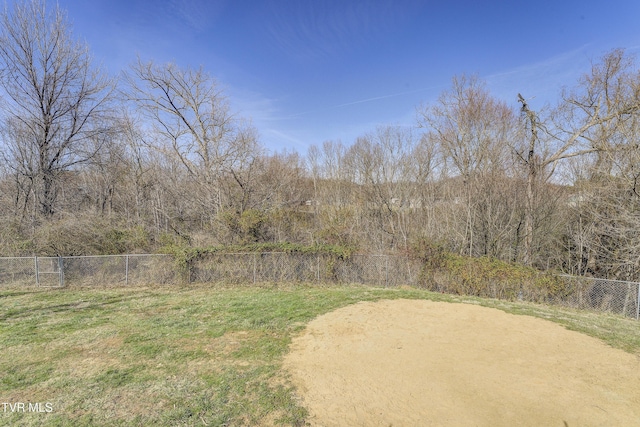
(611, 296)
(18, 271)
(585, 293)
(107, 270)
(238, 268)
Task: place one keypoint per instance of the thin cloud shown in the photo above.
(364, 101)
(280, 136)
(253, 104)
(197, 14)
(329, 27)
(545, 79)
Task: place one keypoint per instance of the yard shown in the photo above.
(202, 355)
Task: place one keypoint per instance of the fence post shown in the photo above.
(386, 278)
(35, 260)
(638, 304)
(61, 270)
(126, 270)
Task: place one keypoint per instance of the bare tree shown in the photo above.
(604, 212)
(335, 219)
(471, 129)
(609, 96)
(587, 122)
(56, 101)
(331, 175)
(193, 126)
(387, 176)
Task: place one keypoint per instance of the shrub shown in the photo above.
(446, 272)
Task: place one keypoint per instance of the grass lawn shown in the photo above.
(186, 356)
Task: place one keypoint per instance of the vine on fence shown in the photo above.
(186, 256)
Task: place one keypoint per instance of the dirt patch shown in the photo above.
(422, 363)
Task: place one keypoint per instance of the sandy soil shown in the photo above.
(422, 363)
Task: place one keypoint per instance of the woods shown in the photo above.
(154, 157)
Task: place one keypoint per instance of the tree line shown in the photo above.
(92, 163)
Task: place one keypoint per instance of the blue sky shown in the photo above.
(313, 70)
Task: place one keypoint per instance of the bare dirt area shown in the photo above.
(422, 363)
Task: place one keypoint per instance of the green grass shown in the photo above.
(190, 356)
